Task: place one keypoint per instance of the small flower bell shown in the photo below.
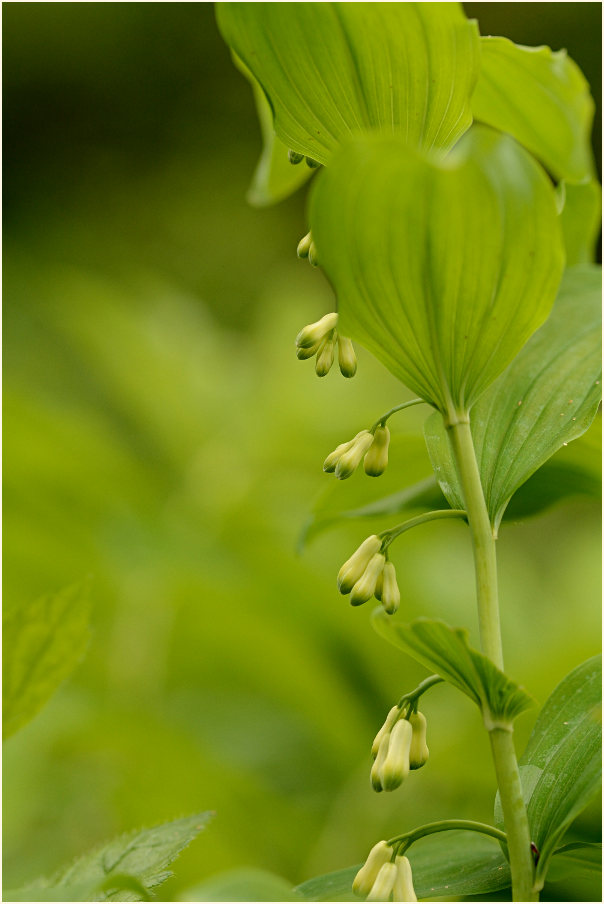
(376, 459)
(403, 890)
(364, 880)
(418, 752)
(354, 567)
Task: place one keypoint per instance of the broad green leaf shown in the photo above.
(446, 651)
(547, 397)
(443, 271)
(542, 99)
(579, 859)
(274, 177)
(243, 885)
(581, 218)
(444, 866)
(81, 892)
(561, 767)
(141, 857)
(330, 70)
(43, 641)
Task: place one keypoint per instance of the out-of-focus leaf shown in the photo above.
(416, 252)
(40, 893)
(581, 218)
(243, 885)
(547, 397)
(561, 767)
(579, 859)
(274, 177)
(43, 641)
(446, 651)
(143, 855)
(330, 70)
(447, 866)
(542, 99)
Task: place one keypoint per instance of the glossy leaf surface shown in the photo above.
(43, 641)
(446, 651)
(442, 271)
(330, 70)
(547, 397)
(542, 99)
(444, 866)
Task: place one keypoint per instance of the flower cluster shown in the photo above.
(384, 876)
(322, 339)
(368, 573)
(400, 745)
(371, 446)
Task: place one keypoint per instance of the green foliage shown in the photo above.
(416, 249)
(446, 651)
(243, 885)
(330, 70)
(43, 642)
(542, 99)
(547, 397)
(125, 869)
(581, 218)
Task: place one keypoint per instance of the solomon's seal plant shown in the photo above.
(454, 214)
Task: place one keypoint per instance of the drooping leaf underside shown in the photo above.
(442, 269)
(547, 397)
(332, 70)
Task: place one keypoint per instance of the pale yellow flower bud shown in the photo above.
(391, 595)
(383, 885)
(385, 729)
(403, 890)
(376, 459)
(346, 357)
(353, 568)
(363, 882)
(376, 769)
(351, 459)
(304, 246)
(303, 353)
(418, 752)
(314, 332)
(379, 587)
(395, 767)
(312, 255)
(325, 358)
(329, 465)
(364, 588)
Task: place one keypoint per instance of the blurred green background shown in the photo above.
(161, 436)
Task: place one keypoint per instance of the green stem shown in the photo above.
(447, 825)
(382, 420)
(421, 688)
(502, 744)
(393, 532)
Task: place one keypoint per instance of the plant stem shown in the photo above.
(448, 825)
(502, 744)
(382, 420)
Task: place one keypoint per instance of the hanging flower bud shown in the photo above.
(325, 357)
(312, 255)
(364, 880)
(329, 465)
(379, 587)
(294, 157)
(384, 883)
(390, 594)
(304, 245)
(364, 588)
(347, 358)
(303, 353)
(403, 890)
(353, 568)
(395, 767)
(418, 752)
(385, 729)
(351, 459)
(376, 459)
(376, 769)
(313, 164)
(314, 332)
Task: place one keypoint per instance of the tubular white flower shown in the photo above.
(347, 358)
(351, 459)
(329, 465)
(384, 883)
(364, 588)
(307, 352)
(325, 357)
(395, 767)
(385, 729)
(376, 459)
(390, 594)
(353, 568)
(403, 890)
(363, 882)
(314, 332)
(418, 752)
(304, 245)
(376, 769)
